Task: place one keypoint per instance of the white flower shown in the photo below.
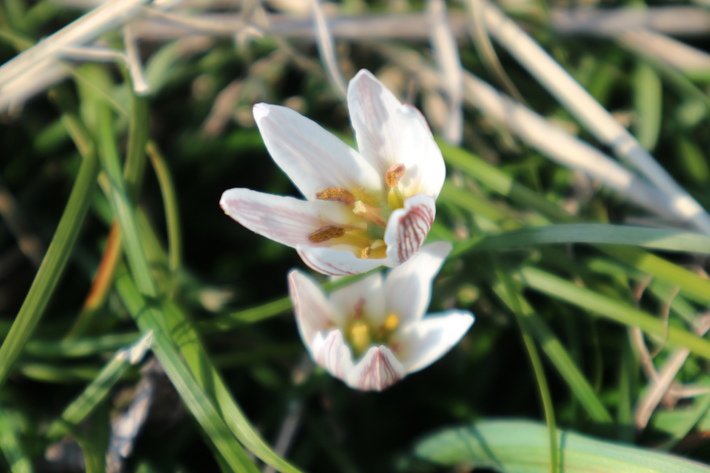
(372, 333)
(362, 209)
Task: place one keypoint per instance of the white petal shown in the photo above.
(365, 295)
(337, 262)
(312, 309)
(389, 133)
(377, 370)
(313, 158)
(429, 339)
(286, 220)
(407, 287)
(374, 116)
(408, 227)
(424, 165)
(332, 353)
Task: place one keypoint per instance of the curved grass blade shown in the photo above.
(596, 233)
(523, 447)
(99, 388)
(55, 260)
(609, 308)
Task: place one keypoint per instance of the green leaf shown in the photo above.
(523, 447)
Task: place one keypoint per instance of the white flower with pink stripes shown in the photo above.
(363, 209)
(372, 333)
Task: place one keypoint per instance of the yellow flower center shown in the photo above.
(367, 238)
(361, 333)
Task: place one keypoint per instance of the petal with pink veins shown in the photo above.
(332, 353)
(312, 308)
(286, 220)
(407, 287)
(408, 227)
(429, 339)
(337, 263)
(378, 369)
(313, 158)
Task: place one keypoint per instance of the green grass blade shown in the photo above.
(510, 297)
(189, 368)
(561, 359)
(648, 100)
(53, 264)
(611, 309)
(12, 449)
(99, 388)
(197, 401)
(655, 238)
(522, 447)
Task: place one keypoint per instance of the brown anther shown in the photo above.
(394, 174)
(336, 194)
(326, 233)
(358, 309)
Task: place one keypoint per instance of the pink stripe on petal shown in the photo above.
(285, 220)
(332, 353)
(408, 227)
(377, 370)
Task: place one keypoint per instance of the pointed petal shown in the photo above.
(407, 287)
(429, 339)
(313, 158)
(332, 353)
(286, 220)
(377, 370)
(389, 133)
(373, 113)
(408, 227)
(337, 262)
(421, 156)
(364, 295)
(310, 305)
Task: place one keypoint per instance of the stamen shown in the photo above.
(359, 338)
(336, 194)
(377, 250)
(391, 322)
(394, 174)
(326, 233)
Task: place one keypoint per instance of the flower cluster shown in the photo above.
(362, 209)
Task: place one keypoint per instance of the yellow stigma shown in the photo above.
(394, 174)
(336, 194)
(326, 233)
